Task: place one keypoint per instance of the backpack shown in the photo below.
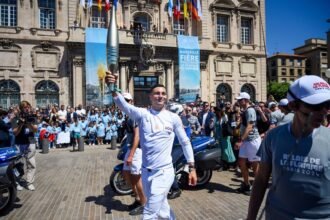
(260, 124)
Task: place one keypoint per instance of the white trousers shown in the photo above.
(156, 185)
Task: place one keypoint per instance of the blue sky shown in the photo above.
(290, 22)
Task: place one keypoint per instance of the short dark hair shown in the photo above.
(156, 86)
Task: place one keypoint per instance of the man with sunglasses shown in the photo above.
(297, 155)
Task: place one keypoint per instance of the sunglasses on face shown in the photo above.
(318, 107)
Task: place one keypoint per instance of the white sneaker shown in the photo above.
(31, 187)
(19, 187)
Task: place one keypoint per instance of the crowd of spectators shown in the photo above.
(99, 125)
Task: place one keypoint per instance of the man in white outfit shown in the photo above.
(157, 130)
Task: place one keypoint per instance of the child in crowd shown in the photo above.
(92, 133)
(100, 133)
(108, 133)
(75, 132)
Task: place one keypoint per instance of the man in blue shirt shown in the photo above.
(297, 156)
(157, 128)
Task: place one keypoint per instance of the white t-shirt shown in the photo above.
(62, 115)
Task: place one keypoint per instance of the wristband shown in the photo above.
(191, 169)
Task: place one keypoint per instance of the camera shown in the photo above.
(28, 117)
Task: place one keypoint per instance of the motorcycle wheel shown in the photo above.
(203, 177)
(7, 198)
(119, 184)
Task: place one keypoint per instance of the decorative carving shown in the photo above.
(6, 43)
(31, 3)
(57, 31)
(239, 46)
(147, 53)
(159, 67)
(11, 55)
(203, 65)
(215, 44)
(78, 62)
(22, 3)
(33, 31)
(45, 45)
(223, 56)
(168, 65)
(18, 29)
(45, 57)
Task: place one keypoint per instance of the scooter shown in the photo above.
(207, 158)
(9, 171)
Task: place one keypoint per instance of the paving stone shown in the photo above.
(75, 185)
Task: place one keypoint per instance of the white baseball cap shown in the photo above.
(271, 104)
(310, 89)
(127, 96)
(283, 102)
(243, 95)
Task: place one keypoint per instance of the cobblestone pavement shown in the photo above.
(75, 185)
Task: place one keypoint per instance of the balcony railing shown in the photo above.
(139, 35)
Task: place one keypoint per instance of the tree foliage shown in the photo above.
(278, 90)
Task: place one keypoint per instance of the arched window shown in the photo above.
(9, 93)
(250, 90)
(47, 92)
(224, 89)
(142, 20)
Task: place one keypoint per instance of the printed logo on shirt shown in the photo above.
(309, 166)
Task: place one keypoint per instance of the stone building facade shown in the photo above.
(42, 46)
(316, 52)
(285, 67)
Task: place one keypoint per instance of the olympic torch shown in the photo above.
(112, 45)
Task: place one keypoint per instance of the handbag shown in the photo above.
(227, 130)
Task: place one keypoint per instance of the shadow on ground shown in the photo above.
(107, 200)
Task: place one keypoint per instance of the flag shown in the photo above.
(82, 3)
(107, 5)
(194, 9)
(89, 3)
(185, 10)
(99, 5)
(199, 10)
(177, 10)
(170, 7)
(115, 3)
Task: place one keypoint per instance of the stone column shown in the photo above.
(169, 80)
(123, 77)
(205, 83)
(78, 82)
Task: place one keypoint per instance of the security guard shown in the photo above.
(157, 130)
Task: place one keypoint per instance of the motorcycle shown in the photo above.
(207, 158)
(9, 171)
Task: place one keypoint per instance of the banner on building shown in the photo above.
(189, 68)
(97, 92)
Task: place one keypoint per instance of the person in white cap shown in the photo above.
(276, 115)
(133, 162)
(157, 127)
(249, 142)
(288, 114)
(297, 157)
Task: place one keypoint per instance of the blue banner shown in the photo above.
(97, 92)
(189, 68)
